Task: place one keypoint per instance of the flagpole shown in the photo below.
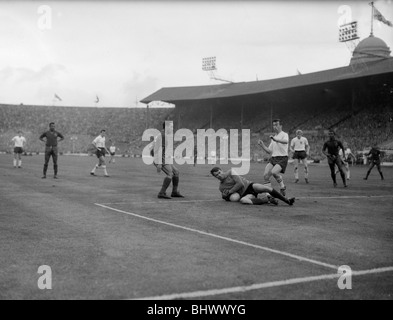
(372, 19)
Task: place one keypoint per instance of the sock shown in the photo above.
(274, 193)
(95, 168)
(306, 172)
(333, 175)
(348, 175)
(20, 163)
(105, 172)
(296, 173)
(175, 183)
(14, 162)
(165, 184)
(381, 174)
(280, 182)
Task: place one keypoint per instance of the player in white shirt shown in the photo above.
(301, 149)
(99, 144)
(348, 153)
(112, 151)
(19, 143)
(278, 149)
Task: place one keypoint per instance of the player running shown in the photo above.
(374, 156)
(19, 142)
(330, 150)
(99, 144)
(345, 159)
(278, 149)
(301, 149)
(235, 188)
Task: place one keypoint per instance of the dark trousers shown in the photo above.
(50, 152)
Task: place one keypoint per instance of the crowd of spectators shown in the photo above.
(80, 125)
(360, 130)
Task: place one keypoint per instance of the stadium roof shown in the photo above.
(360, 70)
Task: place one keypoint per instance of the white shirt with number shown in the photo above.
(299, 144)
(279, 149)
(99, 142)
(19, 141)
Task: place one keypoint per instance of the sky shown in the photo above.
(123, 51)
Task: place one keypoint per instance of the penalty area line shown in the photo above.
(258, 286)
(282, 253)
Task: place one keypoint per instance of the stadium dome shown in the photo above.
(369, 50)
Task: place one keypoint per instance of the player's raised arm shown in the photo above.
(264, 147)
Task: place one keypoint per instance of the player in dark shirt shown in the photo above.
(172, 173)
(374, 156)
(331, 150)
(235, 188)
(51, 140)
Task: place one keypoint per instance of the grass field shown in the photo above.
(111, 238)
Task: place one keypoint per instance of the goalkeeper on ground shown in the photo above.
(236, 188)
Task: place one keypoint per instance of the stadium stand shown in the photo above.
(360, 129)
(124, 125)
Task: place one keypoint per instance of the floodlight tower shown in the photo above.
(209, 65)
(348, 33)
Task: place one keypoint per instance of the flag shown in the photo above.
(57, 97)
(380, 17)
(97, 99)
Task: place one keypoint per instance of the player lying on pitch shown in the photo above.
(236, 188)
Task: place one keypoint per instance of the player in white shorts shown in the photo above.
(99, 144)
(301, 149)
(348, 153)
(19, 142)
(278, 149)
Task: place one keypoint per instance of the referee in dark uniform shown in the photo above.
(331, 150)
(51, 147)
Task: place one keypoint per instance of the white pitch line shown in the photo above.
(258, 286)
(163, 201)
(219, 200)
(346, 197)
(286, 254)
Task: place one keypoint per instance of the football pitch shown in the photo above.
(112, 238)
